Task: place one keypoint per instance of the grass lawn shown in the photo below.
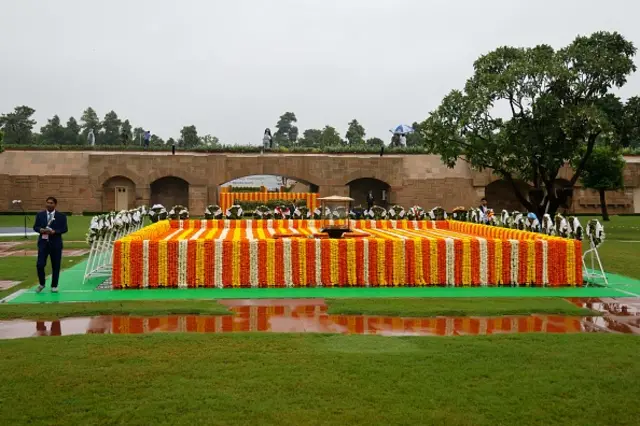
(23, 269)
(32, 245)
(454, 307)
(240, 379)
(51, 311)
(78, 226)
(619, 253)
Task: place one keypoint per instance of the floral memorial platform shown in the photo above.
(384, 253)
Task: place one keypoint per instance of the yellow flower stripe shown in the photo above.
(531, 262)
(398, 262)
(419, 266)
(335, 265)
(199, 263)
(302, 260)
(271, 257)
(466, 262)
(382, 280)
(433, 254)
(351, 261)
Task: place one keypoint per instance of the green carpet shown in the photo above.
(72, 290)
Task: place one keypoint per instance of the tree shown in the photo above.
(631, 136)
(415, 138)
(604, 171)
(138, 133)
(53, 133)
(208, 140)
(287, 133)
(90, 121)
(557, 107)
(125, 129)
(171, 141)
(355, 133)
(375, 142)
(1, 144)
(17, 125)
(330, 137)
(72, 132)
(189, 137)
(311, 138)
(156, 140)
(110, 134)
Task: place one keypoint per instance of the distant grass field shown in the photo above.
(279, 379)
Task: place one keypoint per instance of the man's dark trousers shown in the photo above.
(53, 249)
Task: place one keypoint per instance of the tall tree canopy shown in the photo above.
(90, 121)
(604, 171)
(17, 125)
(110, 134)
(53, 133)
(526, 112)
(355, 133)
(189, 137)
(287, 132)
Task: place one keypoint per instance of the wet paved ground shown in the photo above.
(310, 316)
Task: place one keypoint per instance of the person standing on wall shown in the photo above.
(147, 139)
(50, 225)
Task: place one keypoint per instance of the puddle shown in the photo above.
(310, 316)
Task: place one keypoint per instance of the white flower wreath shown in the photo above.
(234, 212)
(213, 211)
(416, 213)
(595, 232)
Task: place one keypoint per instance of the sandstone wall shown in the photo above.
(86, 181)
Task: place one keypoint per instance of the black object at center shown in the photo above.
(335, 232)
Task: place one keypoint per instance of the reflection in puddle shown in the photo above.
(310, 316)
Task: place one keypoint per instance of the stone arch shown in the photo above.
(500, 195)
(111, 188)
(359, 188)
(169, 191)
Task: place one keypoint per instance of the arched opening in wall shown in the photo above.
(118, 193)
(359, 188)
(170, 191)
(500, 195)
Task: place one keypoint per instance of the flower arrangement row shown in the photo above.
(115, 224)
(229, 199)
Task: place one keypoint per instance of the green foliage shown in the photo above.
(126, 134)
(311, 138)
(558, 105)
(340, 149)
(72, 132)
(90, 121)
(287, 132)
(415, 138)
(604, 170)
(245, 189)
(330, 137)
(189, 137)
(17, 125)
(355, 133)
(53, 133)
(208, 140)
(1, 141)
(110, 134)
(375, 142)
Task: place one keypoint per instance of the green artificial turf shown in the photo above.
(277, 379)
(431, 307)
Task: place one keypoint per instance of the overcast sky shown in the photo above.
(233, 67)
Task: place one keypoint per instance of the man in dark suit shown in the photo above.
(50, 224)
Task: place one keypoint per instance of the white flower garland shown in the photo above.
(182, 263)
(595, 232)
(213, 211)
(515, 258)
